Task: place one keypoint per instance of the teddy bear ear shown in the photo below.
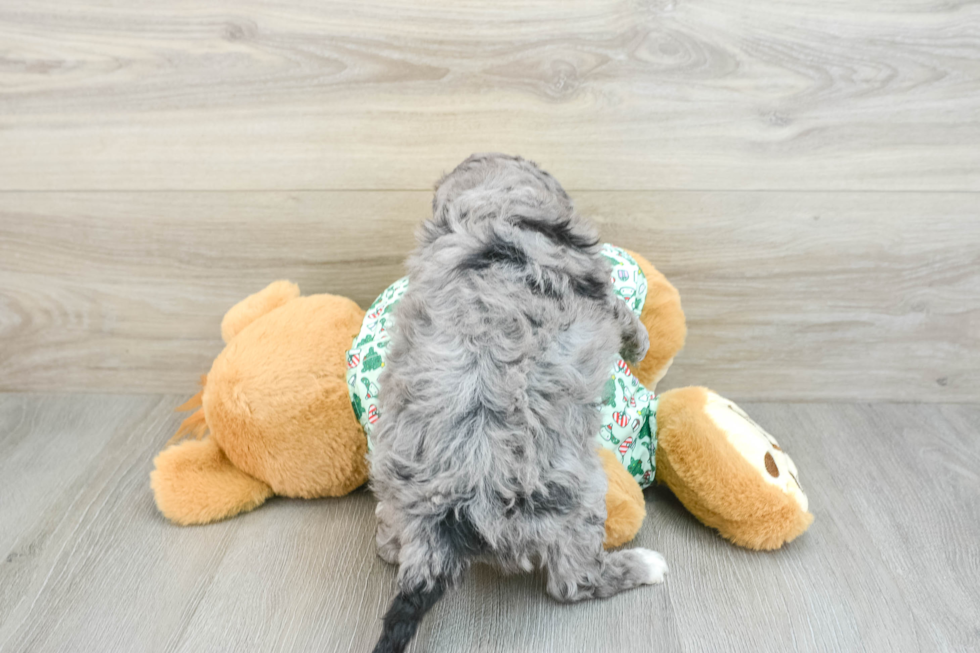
(255, 306)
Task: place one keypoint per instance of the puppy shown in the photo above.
(485, 449)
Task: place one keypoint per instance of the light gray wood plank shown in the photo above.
(43, 467)
(889, 564)
(801, 296)
(706, 94)
(96, 568)
(885, 565)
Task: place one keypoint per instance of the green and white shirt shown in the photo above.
(628, 410)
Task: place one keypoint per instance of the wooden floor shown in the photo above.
(890, 564)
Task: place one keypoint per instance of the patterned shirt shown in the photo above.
(628, 410)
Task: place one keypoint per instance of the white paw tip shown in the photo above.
(655, 564)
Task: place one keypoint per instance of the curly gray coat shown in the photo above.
(485, 449)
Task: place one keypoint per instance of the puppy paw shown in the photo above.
(386, 540)
(389, 553)
(636, 350)
(635, 345)
(653, 565)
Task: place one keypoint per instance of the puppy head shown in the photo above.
(500, 188)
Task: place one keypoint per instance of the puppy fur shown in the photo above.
(485, 448)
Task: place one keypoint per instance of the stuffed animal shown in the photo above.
(289, 405)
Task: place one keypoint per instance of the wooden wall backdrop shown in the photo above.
(807, 172)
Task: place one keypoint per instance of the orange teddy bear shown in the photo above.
(275, 417)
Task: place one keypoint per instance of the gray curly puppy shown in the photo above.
(486, 445)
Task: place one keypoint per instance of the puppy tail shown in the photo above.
(405, 615)
(457, 540)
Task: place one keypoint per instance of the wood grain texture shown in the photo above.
(611, 94)
(845, 296)
(87, 564)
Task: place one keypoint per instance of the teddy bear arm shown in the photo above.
(194, 483)
(625, 508)
(255, 306)
(663, 318)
